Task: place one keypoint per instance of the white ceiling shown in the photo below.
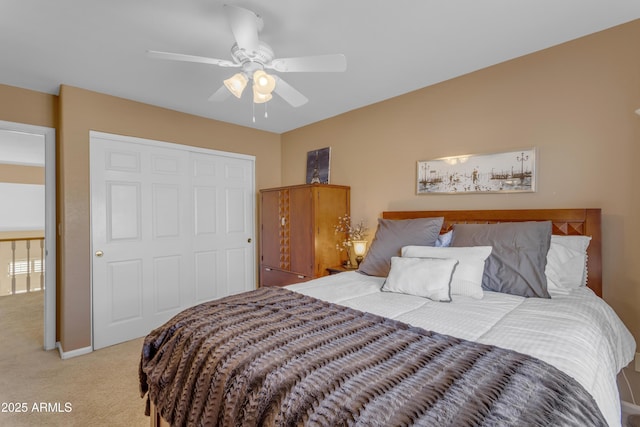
(392, 47)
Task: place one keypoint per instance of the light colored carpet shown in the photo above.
(97, 389)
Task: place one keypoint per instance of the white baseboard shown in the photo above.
(72, 353)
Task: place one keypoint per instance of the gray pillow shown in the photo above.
(392, 235)
(519, 256)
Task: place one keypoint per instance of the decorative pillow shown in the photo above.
(467, 277)
(567, 262)
(392, 235)
(423, 277)
(444, 240)
(519, 257)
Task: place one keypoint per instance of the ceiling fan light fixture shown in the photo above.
(260, 98)
(236, 84)
(263, 82)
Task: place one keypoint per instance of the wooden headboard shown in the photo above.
(566, 222)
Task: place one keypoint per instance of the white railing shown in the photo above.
(21, 265)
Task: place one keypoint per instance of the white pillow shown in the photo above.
(467, 277)
(423, 277)
(567, 262)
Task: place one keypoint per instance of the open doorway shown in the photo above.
(28, 221)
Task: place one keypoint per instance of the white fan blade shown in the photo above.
(320, 63)
(220, 95)
(244, 26)
(289, 94)
(191, 58)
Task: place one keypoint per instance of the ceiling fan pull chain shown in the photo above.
(265, 110)
(253, 111)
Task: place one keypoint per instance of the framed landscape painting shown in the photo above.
(508, 172)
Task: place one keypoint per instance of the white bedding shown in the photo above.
(575, 331)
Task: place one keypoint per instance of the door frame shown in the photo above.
(50, 227)
(156, 143)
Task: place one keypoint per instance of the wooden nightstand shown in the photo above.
(340, 269)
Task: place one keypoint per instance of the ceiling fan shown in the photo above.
(253, 57)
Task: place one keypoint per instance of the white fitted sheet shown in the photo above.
(575, 331)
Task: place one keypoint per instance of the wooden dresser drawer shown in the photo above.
(274, 277)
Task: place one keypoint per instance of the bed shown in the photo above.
(358, 349)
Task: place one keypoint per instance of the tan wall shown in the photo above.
(27, 106)
(574, 102)
(18, 174)
(82, 111)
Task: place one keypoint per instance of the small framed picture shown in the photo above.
(318, 162)
(508, 172)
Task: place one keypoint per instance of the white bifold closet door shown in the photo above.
(172, 226)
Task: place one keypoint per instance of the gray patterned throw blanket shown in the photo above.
(276, 357)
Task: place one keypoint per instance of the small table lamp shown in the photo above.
(359, 249)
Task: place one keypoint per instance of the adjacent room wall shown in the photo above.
(24, 187)
(574, 102)
(82, 111)
(20, 174)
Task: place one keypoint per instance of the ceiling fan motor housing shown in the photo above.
(263, 55)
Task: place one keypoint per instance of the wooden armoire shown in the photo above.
(297, 237)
